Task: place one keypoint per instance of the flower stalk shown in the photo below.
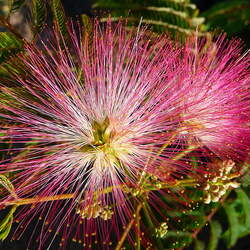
(128, 228)
(146, 188)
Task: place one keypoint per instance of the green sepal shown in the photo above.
(5, 182)
(6, 224)
(87, 24)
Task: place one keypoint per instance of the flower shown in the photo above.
(216, 104)
(94, 115)
(106, 119)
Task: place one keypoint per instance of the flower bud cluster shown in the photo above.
(136, 192)
(161, 230)
(94, 211)
(150, 182)
(217, 185)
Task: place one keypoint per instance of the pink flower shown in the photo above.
(213, 82)
(95, 117)
(111, 112)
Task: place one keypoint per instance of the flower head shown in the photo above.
(215, 105)
(95, 115)
(109, 115)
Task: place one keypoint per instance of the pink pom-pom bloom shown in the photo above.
(101, 115)
(215, 104)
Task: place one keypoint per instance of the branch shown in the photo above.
(125, 233)
(33, 200)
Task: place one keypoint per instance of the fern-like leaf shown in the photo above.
(10, 45)
(39, 13)
(216, 230)
(245, 204)
(179, 17)
(15, 5)
(231, 16)
(59, 15)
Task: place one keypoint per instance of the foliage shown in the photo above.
(221, 223)
(39, 14)
(177, 17)
(6, 223)
(231, 222)
(231, 16)
(59, 16)
(11, 42)
(10, 45)
(14, 5)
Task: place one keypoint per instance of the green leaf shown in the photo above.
(245, 202)
(245, 179)
(10, 45)
(8, 40)
(6, 224)
(233, 232)
(216, 230)
(231, 16)
(244, 231)
(39, 13)
(59, 15)
(199, 245)
(15, 5)
(178, 17)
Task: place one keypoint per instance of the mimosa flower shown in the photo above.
(94, 116)
(103, 114)
(216, 103)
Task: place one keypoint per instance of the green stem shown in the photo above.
(178, 183)
(138, 229)
(126, 231)
(151, 226)
(19, 202)
(185, 152)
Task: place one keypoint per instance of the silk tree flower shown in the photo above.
(216, 103)
(92, 118)
(99, 115)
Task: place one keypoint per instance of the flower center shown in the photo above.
(101, 140)
(102, 133)
(110, 144)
